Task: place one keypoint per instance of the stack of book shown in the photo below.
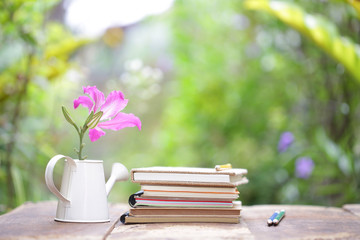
(177, 194)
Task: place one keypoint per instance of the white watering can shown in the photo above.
(83, 193)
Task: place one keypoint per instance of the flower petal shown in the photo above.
(96, 95)
(122, 120)
(85, 101)
(114, 103)
(286, 139)
(304, 167)
(95, 134)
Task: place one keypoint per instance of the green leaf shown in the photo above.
(68, 117)
(356, 5)
(29, 38)
(318, 29)
(95, 120)
(59, 45)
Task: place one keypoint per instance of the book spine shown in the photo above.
(123, 217)
(132, 198)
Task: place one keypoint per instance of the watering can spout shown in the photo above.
(118, 173)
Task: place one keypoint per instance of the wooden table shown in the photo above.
(35, 221)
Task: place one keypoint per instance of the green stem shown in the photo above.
(81, 144)
(82, 129)
(81, 136)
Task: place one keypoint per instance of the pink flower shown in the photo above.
(112, 118)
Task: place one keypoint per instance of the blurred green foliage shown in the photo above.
(318, 29)
(34, 56)
(243, 78)
(214, 86)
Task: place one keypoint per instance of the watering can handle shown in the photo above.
(49, 176)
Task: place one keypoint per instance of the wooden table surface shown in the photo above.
(35, 221)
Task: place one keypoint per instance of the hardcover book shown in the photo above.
(126, 218)
(186, 176)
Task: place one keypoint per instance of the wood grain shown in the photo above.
(352, 208)
(35, 221)
(203, 231)
(302, 222)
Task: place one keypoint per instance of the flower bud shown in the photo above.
(95, 120)
(67, 116)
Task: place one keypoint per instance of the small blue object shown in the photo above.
(271, 219)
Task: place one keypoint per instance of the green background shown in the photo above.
(213, 82)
